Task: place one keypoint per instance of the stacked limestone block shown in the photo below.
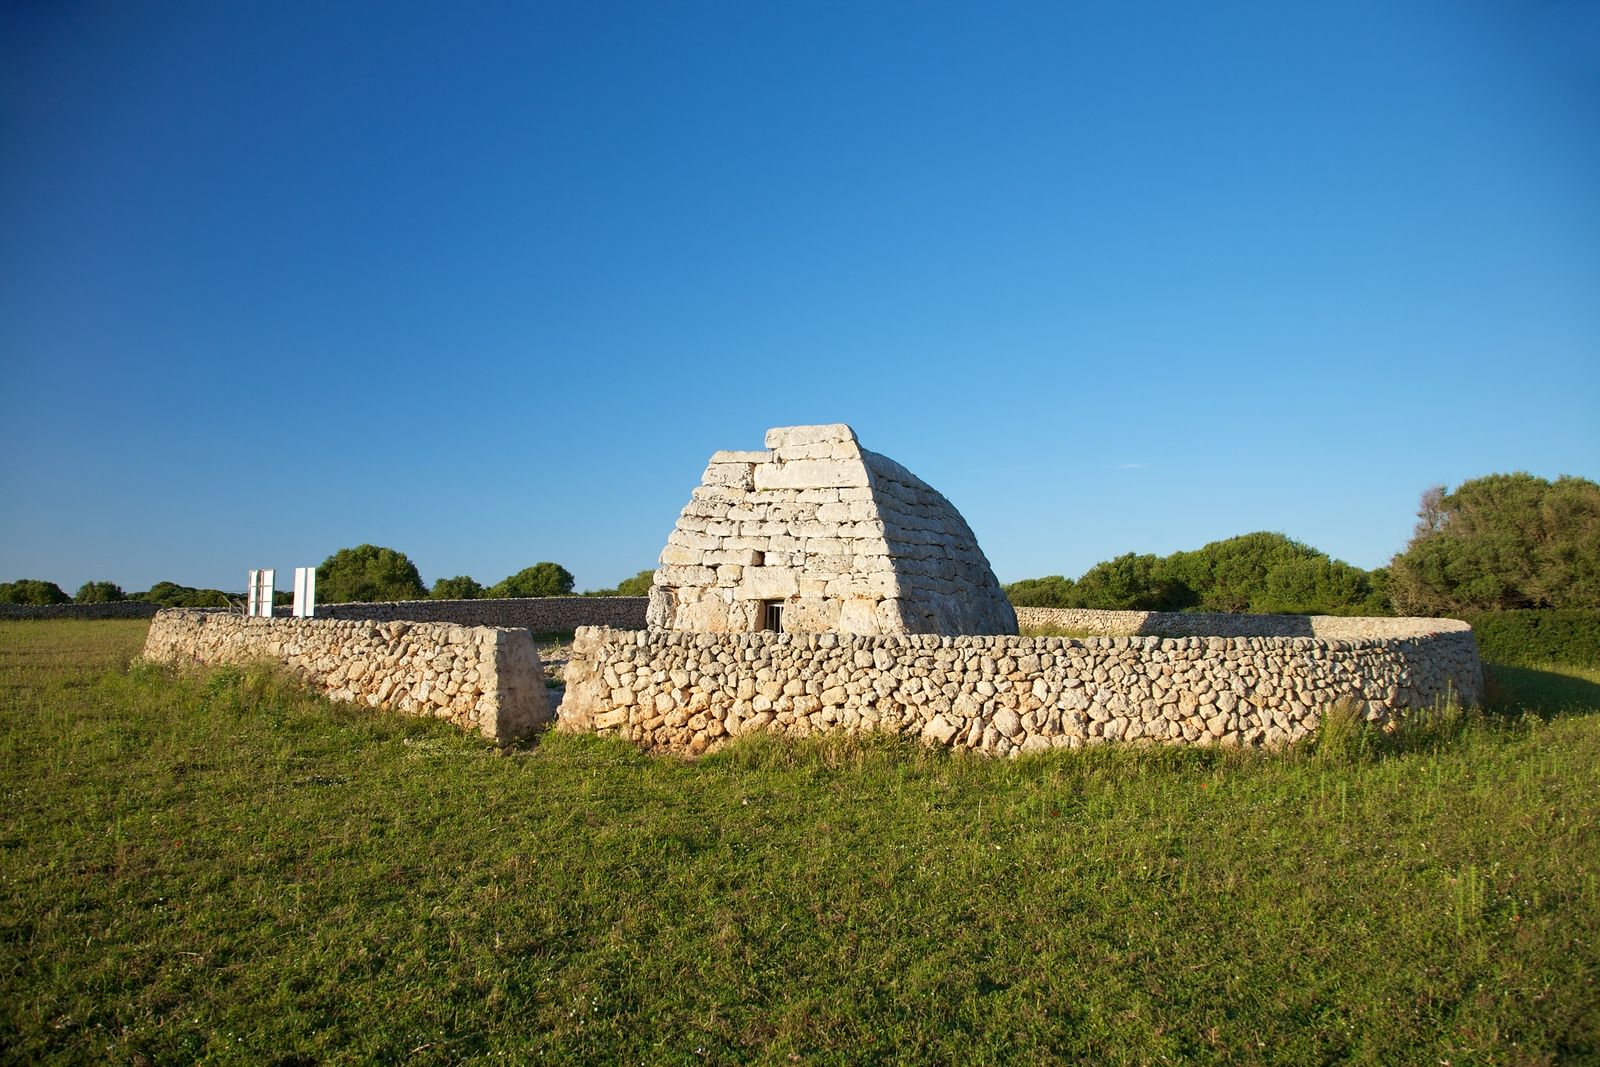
(687, 693)
(1099, 623)
(847, 540)
(544, 614)
(478, 677)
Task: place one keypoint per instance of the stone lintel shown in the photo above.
(781, 436)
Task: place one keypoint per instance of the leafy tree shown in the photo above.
(173, 595)
(32, 591)
(638, 585)
(368, 573)
(99, 593)
(460, 587)
(1052, 591)
(1130, 582)
(541, 579)
(1501, 542)
(1316, 587)
(1228, 575)
(1262, 572)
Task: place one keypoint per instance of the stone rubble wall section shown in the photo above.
(552, 614)
(1099, 623)
(849, 540)
(480, 678)
(121, 609)
(688, 693)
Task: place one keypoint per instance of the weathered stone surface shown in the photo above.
(848, 540)
(545, 614)
(1005, 695)
(811, 474)
(478, 677)
(828, 433)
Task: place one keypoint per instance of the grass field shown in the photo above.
(220, 868)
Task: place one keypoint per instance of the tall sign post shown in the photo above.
(305, 592)
(260, 600)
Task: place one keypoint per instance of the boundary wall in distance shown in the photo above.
(687, 693)
(119, 609)
(478, 677)
(546, 614)
(1097, 623)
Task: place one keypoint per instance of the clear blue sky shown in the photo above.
(488, 283)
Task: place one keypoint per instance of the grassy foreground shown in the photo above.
(220, 868)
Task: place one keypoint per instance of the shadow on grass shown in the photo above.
(1547, 691)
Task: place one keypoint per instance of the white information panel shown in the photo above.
(261, 594)
(305, 592)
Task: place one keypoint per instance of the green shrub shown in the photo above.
(368, 573)
(460, 587)
(1133, 583)
(32, 591)
(1501, 542)
(1259, 572)
(99, 593)
(541, 579)
(173, 595)
(1052, 591)
(1533, 637)
(638, 585)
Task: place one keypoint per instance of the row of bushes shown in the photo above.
(1266, 573)
(37, 592)
(369, 573)
(1531, 637)
(365, 573)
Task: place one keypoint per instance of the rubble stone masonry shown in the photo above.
(120, 609)
(546, 614)
(688, 692)
(480, 678)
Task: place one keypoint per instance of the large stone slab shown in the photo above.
(829, 433)
(811, 474)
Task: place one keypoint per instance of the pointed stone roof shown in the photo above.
(843, 540)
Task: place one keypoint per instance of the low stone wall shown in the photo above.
(122, 609)
(478, 677)
(550, 614)
(1090, 621)
(687, 693)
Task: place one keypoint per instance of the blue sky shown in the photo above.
(488, 283)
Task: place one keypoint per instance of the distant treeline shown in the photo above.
(166, 594)
(369, 573)
(363, 573)
(1504, 542)
(1257, 572)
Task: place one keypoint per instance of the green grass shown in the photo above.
(220, 868)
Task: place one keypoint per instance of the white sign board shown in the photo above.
(305, 592)
(261, 594)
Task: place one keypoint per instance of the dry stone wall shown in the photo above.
(480, 678)
(845, 540)
(121, 609)
(553, 614)
(688, 693)
(1098, 623)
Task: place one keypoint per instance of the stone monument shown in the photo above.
(818, 535)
